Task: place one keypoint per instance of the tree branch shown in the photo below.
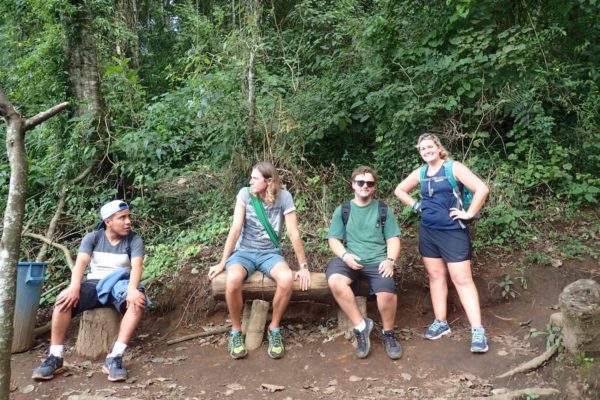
(7, 110)
(44, 239)
(44, 115)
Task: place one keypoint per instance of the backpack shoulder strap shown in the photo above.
(423, 172)
(96, 239)
(345, 213)
(383, 211)
(450, 174)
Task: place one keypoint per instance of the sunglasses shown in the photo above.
(361, 183)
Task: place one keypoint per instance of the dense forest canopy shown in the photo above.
(160, 116)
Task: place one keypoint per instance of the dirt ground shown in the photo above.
(320, 363)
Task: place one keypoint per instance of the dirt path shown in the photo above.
(319, 366)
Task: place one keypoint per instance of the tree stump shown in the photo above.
(344, 324)
(580, 306)
(98, 330)
(246, 316)
(256, 324)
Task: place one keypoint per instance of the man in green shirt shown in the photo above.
(366, 247)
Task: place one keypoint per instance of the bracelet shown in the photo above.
(393, 261)
(344, 255)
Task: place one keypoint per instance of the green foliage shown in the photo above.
(553, 335)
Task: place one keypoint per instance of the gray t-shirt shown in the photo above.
(254, 236)
(106, 258)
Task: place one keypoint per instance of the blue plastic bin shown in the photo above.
(30, 279)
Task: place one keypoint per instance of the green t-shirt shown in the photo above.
(364, 236)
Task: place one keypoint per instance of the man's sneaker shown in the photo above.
(276, 349)
(51, 366)
(113, 366)
(478, 340)
(437, 329)
(236, 346)
(363, 342)
(392, 346)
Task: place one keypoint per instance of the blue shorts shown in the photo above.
(370, 273)
(253, 260)
(451, 245)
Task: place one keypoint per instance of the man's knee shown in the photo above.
(235, 279)
(386, 297)
(337, 283)
(284, 277)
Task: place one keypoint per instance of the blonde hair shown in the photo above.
(268, 171)
(444, 153)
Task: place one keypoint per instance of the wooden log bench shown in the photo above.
(258, 289)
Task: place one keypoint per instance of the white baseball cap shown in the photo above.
(110, 209)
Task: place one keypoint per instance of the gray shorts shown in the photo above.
(370, 273)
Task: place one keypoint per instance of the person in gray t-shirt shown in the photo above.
(115, 255)
(253, 244)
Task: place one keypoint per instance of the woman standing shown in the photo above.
(253, 244)
(444, 241)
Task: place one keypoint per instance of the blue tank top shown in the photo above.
(438, 199)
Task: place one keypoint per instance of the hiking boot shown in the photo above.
(46, 371)
(113, 366)
(478, 340)
(236, 346)
(392, 345)
(276, 349)
(437, 329)
(363, 342)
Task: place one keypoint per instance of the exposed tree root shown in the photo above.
(532, 364)
(518, 394)
(200, 334)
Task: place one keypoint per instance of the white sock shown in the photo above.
(57, 350)
(118, 349)
(362, 326)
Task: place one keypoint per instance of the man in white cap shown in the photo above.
(115, 256)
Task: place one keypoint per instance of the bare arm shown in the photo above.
(291, 224)
(135, 298)
(337, 247)
(69, 298)
(404, 188)
(239, 215)
(386, 267)
(475, 184)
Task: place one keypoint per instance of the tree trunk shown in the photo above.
(13, 222)
(254, 17)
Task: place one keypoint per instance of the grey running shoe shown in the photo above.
(51, 366)
(437, 329)
(392, 345)
(363, 342)
(478, 340)
(236, 346)
(113, 366)
(276, 349)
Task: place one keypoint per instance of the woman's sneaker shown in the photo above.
(51, 366)
(236, 347)
(478, 340)
(437, 329)
(276, 349)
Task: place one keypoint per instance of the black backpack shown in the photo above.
(383, 210)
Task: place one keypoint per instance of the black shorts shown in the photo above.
(451, 245)
(88, 298)
(370, 273)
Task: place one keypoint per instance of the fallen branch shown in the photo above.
(518, 394)
(200, 334)
(40, 330)
(532, 364)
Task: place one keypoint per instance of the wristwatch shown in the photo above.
(393, 261)
(303, 265)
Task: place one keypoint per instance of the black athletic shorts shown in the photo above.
(370, 273)
(451, 245)
(88, 298)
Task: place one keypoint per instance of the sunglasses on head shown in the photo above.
(361, 183)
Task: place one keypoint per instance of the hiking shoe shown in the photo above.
(113, 366)
(363, 342)
(46, 371)
(392, 345)
(236, 346)
(437, 329)
(276, 349)
(478, 340)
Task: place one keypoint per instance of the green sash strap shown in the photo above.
(262, 217)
